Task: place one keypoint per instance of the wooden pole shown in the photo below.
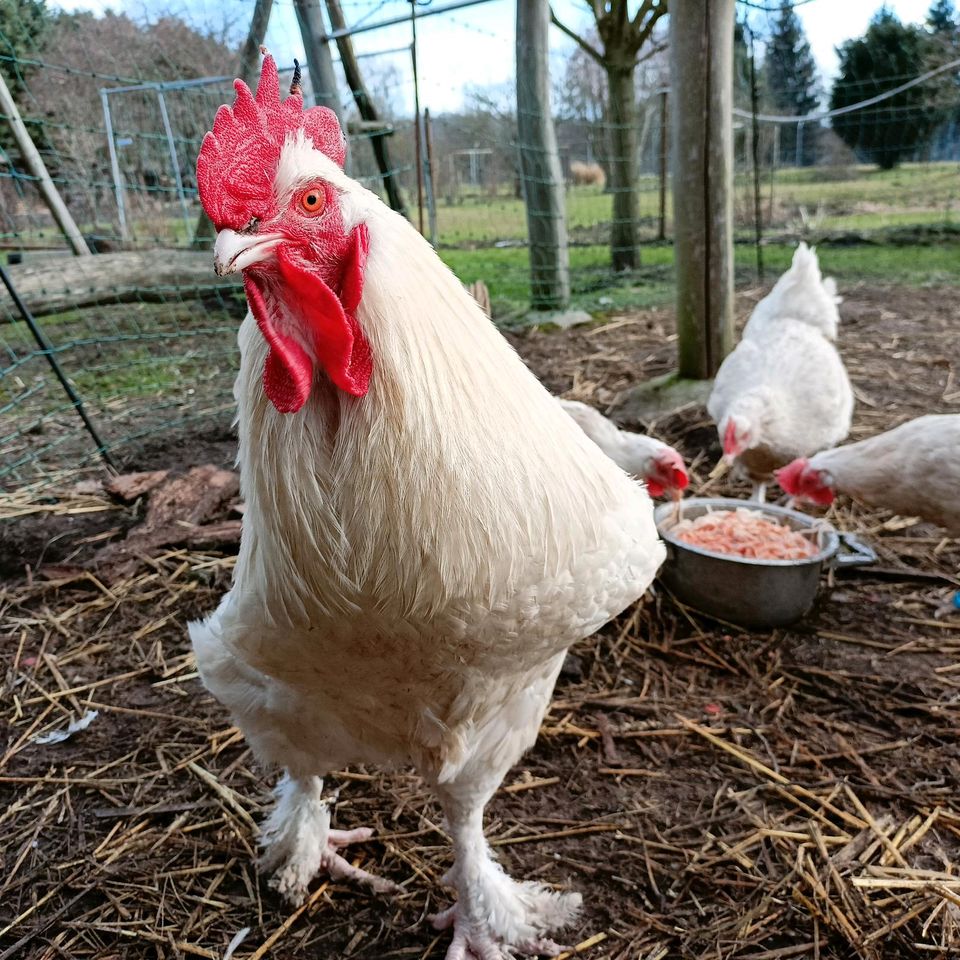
(319, 59)
(774, 159)
(365, 104)
(417, 124)
(701, 33)
(540, 161)
(430, 178)
(755, 159)
(250, 53)
(664, 153)
(38, 170)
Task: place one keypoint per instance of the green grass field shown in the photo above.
(901, 221)
(819, 200)
(597, 290)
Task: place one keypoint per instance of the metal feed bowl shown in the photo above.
(751, 593)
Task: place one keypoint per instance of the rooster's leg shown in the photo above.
(299, 844)
(495, 917)
(759, 492)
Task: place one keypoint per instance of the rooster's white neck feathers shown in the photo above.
(407, 451)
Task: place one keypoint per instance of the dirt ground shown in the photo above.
(713, 793)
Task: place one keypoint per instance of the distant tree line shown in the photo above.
(889, 54)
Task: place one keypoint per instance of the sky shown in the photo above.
(473, 47)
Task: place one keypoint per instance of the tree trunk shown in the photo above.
(701, 34)
(624, 166)
(540, 162)
(58, 283)
(351, 70)
(249, 61)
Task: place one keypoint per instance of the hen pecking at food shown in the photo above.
(913, 470)
(649, 459)
(783, 392)
(426, 530)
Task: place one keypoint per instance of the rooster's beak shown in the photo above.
(236, 251)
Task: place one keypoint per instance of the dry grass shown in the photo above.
(713, 793)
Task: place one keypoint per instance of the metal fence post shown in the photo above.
(175, 163)
(46, 348)
(114, 163)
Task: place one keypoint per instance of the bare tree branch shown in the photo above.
(618, 13)
(650, 11)
(641, 33)
(586, 47)
(652, 52)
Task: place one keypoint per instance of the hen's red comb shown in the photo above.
(790, 477)
(238, 158)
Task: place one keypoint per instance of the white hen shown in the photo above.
(913, 470)
(426, 530)
(652, 460)
(783, 392)
(801, 294)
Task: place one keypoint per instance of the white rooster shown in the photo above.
(913, 470)
(783, 392)
(649, 459)
(426, 530)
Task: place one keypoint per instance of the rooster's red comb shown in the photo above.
(238, 158)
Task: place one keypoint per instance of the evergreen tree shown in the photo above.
(942, 20)
(895, 129)
(23, 32)
(23, 25)
(943, 25)
(790, 73)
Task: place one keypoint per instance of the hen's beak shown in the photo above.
(722, 467)
(236, 251)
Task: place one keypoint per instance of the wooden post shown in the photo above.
(540, 161)
(774, 158)
(431, 181)
(38, 170)
(319, 59)
(365, 104)
(755, 159)
(417, 120)
(701, 33)
(664, 154)
(249, 64)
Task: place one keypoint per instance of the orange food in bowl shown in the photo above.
(744, 533)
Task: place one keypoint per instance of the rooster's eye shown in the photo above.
(312, 200)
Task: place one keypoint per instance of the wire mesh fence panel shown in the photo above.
(145, 332)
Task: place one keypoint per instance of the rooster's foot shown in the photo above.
(292, 878)
(299, 844)
(502, 930)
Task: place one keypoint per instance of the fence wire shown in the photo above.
(147, 334)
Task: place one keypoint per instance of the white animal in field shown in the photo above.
(587, 174)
